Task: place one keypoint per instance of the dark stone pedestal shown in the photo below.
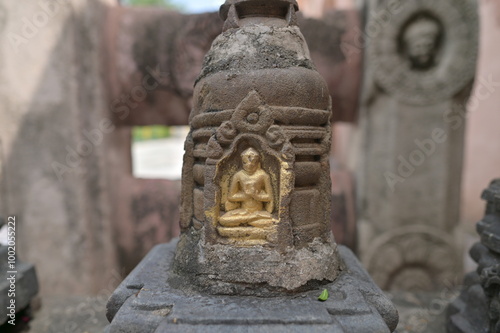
(144, 302)
(469, 312)
(477, 309)
(26, 285)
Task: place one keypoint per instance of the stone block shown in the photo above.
(145, 302)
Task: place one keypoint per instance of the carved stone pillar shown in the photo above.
(420, 69)
(258, 90)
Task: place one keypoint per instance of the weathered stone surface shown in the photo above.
(144, 302)
(477, 307)
(53, 123)
(248, 258)
(66, 314)
(253, 270)
(337, 52)
(421, 64)
(162, 52)
(489, 228)
(260, 118)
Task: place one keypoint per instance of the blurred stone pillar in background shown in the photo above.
(53, 119)
(421, 60)
(18, 281)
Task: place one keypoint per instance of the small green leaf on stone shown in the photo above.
(324, 295)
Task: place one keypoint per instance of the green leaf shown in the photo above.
(324, 295)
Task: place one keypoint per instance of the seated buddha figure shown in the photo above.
(250, 195)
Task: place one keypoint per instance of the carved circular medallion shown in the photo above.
(275, 136)
(427, 51)
(226, 132)
(413, 258)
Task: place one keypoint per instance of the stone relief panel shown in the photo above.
(421, 65)
(413, 258)
(260, 119)
(424, 54)
(248, 196)
(290, 147)
(251, 175)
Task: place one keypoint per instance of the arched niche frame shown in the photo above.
(273, 163)
(454, 56)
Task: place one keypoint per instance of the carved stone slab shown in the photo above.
(422, 79)
(144, 303)
(422, 57)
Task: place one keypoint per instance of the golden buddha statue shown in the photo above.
(250, 195)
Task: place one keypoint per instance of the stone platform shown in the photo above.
(469, 312)
(145, 303)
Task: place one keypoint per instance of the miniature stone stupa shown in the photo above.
(477, 309)
(255, 216)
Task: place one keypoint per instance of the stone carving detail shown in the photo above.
(421, 41)
(423, 54)
(226, 133)
(252, 124)
(413, 258)
(249, 202)
(256, 200)
(490, 281)
(477, 309)
(256, 177)
(252, 115)
(420, 69)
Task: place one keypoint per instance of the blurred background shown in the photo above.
(94, 104)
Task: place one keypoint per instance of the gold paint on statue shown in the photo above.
(250, 195)
(249, 203)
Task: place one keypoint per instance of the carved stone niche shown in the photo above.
(258, 97)
(293, 157)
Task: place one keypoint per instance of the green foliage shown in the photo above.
(162, 3)
(324, 295)
(141, 133)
